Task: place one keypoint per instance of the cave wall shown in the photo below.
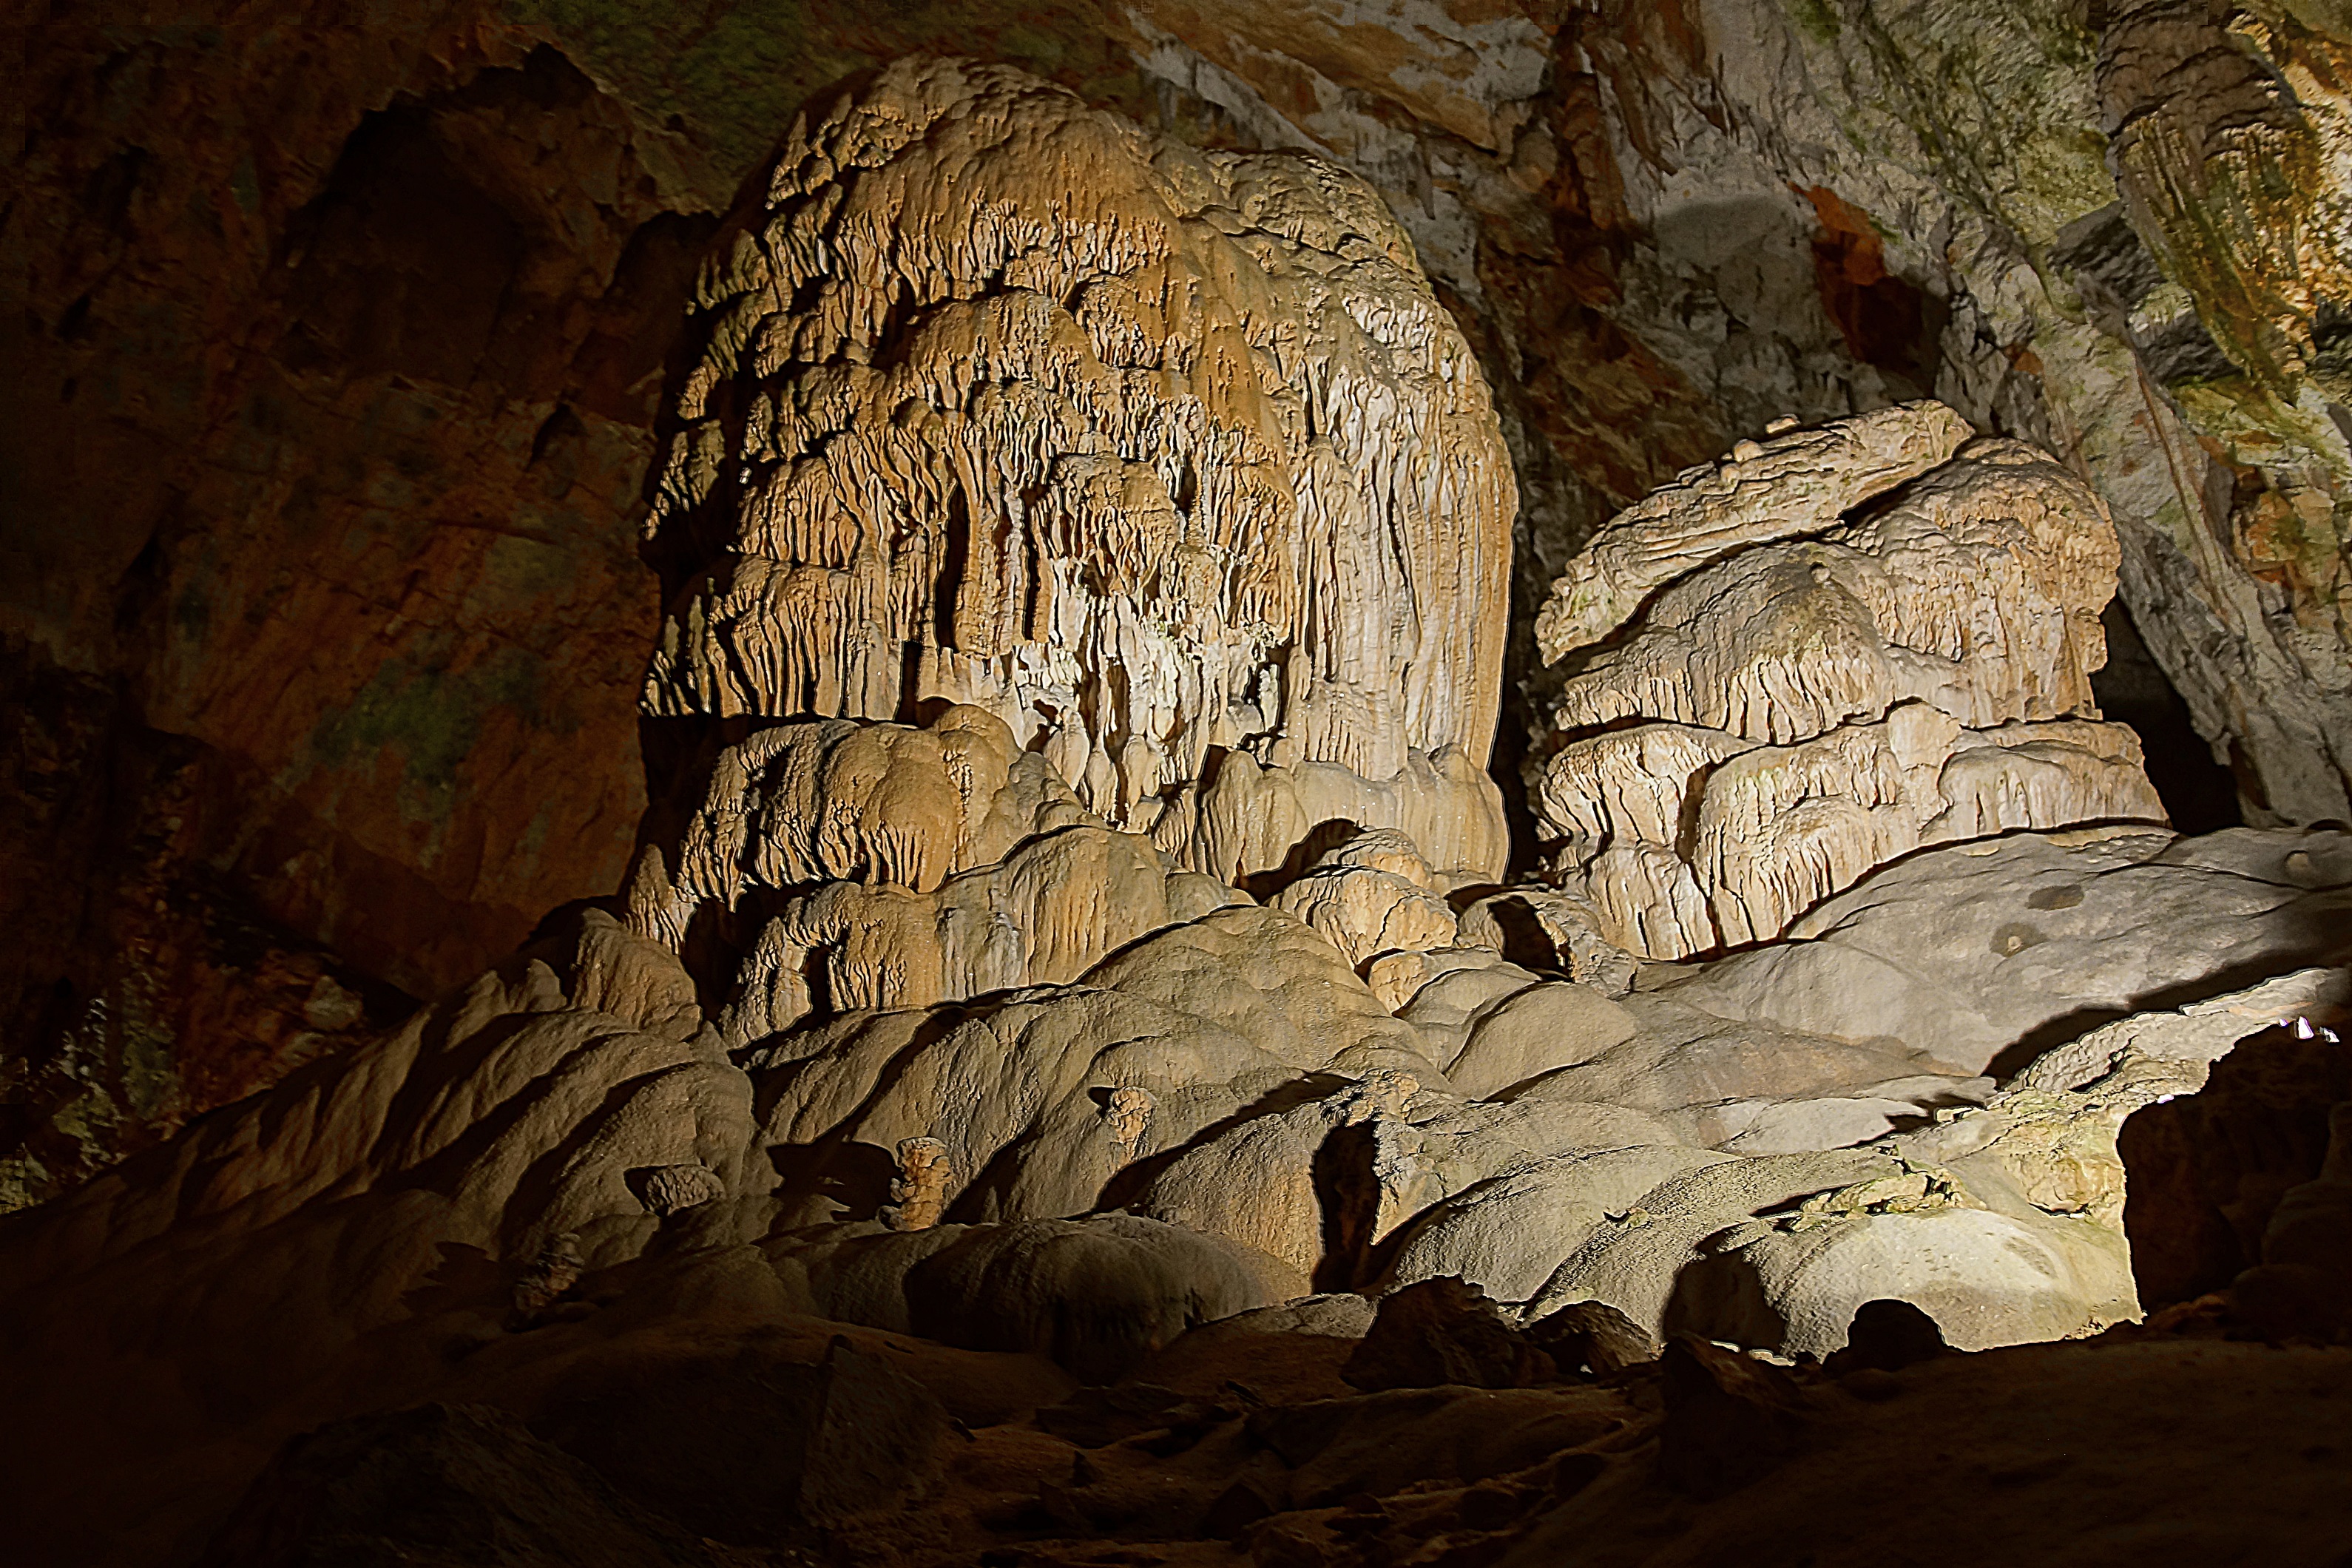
(339, 348)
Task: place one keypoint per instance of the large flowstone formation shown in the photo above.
(1165, 458)
(1831, 648)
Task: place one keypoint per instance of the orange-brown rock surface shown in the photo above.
(1157, 456)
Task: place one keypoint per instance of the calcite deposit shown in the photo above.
(1160, 455)
(1073, 1071)
(1791, 667)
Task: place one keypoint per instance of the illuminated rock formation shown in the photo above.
(1160, 455)
(1069, 933)
(1828, 650)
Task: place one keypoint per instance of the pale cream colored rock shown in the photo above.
(832, 801)
(1263, 1183)
(2007, 1221)
(1270, 980)
(1254, 1184)
(1370, 896)
(1746, 1087)
(1509, 1233)
(887, 867)
(1043, 917)
(1976, 591)
(1182, 1031)
(1966, 952)
(1779, 487)
(1127, 1115)
(2050, 1137)
(1455, 989)
(1536, 1031)
(507, 1118)
(1159, 455)
(1986, 1278)
(1252, 815)
(1781, 828)
(2003, 1221)
(1778, 1251)
(1562, 929)
(1394, 977)
(1010, 1091)
(1806, 697)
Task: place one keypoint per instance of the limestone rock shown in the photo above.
(1371, 896)
(1764, 491)
(672, 1189)
(748, 1448)
(1812, 691)
(1509, 1232)
(1977, 587)
(1886, 1336)
(918, 1193)
(831, 801)
(1306, 1183)
(1537, 1032)
(1253, 816)
(1550, 927)
(1441, 1331)
(1056, 905)
(1729, 1420)
(1095, 1295)
(1155, 454)
(1209, 1019)
(1969, 954)
(1381, 1443)
(2303, 1287)
(1592, 1336)
(458, 1485)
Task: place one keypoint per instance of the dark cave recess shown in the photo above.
(2200, 794)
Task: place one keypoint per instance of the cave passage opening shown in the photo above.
(2199, 794)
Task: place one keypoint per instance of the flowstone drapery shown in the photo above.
(1835, 647)
(1160, 455)
(1081, 945)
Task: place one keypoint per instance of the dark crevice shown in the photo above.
(2204, 1172)
(2198, 793)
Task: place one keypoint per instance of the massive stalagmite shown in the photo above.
(1167, 459)
(1836, 646)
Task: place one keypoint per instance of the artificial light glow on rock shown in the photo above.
(1335, 784)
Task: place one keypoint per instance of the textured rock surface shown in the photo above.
(442, 1484)
(940, 1054)
(1154, 454)
(2111, 232)
(1769, 692)
(2118, 232)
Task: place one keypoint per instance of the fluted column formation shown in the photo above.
(1162, 457)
